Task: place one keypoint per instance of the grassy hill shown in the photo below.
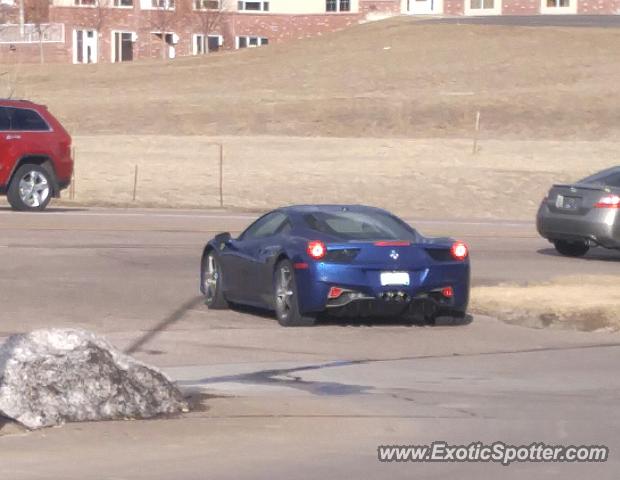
(394, 78)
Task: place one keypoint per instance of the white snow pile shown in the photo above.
(52, 376)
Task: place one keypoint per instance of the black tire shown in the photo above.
(571, 249)
(211, 282)
(41, 189)
(285, 297)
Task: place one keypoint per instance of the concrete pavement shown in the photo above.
(297, 403)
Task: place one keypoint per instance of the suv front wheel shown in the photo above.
(31, 188)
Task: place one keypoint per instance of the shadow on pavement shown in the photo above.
(164, 324)
(47, 210)
(326, 320)
(596, 254)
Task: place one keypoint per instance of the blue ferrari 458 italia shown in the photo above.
(343, 260)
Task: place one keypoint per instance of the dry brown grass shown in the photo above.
(391, 78)
(436, 178)
(582, 302)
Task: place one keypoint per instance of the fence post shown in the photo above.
(221, 145)
(135, 183)
(476, 131)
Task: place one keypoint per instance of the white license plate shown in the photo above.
(394, 278)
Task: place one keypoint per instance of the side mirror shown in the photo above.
(222, 239)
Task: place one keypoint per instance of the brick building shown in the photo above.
(89, 31)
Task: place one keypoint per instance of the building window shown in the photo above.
(483, 7)
(198, 45)
(244, 6)
(338, 5)
(122, 46)
(84, 3)
(251, 42)
(206, 5)
(558, 6)
(202, 44)
(162, 4)
(482, 4)
(123, 3)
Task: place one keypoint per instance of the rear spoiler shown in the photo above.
(583, 186)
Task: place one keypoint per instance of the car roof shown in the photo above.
(11, 102)
(301, 209)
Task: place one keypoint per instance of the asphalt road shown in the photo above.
(298, 403)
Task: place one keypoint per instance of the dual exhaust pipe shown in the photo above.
(395, 296)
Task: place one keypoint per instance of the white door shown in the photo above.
(85, 46)
(424, 7)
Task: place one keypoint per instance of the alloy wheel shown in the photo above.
(34, 189)
(284, 292)
(210, 278)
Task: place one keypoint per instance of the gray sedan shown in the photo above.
(582, 215)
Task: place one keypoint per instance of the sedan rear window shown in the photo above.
(370, 226)
(609, 177)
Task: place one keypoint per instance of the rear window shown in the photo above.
(26, 120)
(371, 226)
(610, 177)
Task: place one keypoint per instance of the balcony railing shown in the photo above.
(32, 33)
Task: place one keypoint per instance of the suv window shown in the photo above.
(5, 120)
(27, 120)
(270, 224)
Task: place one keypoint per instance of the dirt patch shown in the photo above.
(395, 78)
(582, 302)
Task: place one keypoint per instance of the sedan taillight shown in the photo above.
(609, 201)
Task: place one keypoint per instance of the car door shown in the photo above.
(250, 253)
(261, 255)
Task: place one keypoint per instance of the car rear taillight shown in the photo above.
(316, 249)
(459, 251)
(609, 201)
(334, 292)
(447, 292)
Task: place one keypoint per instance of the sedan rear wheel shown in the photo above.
(211, 287)
(286, 299)
(571, 249)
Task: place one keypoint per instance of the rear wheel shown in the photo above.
(286, 299)
(212, 282)
(571, 249)
(31, 188)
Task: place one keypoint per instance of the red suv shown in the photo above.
(35, 155)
